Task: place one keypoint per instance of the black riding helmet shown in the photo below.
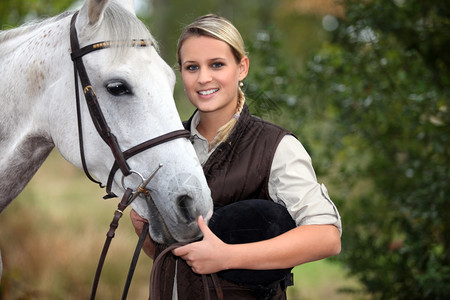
(250, 221)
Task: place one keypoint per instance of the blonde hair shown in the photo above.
(221, 29)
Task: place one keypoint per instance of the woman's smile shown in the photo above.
(207, 92)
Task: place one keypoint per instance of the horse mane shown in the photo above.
(30, 26)
(121, 26)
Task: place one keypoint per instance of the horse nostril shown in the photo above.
(186, 208)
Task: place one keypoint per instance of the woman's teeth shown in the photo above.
(208, 92)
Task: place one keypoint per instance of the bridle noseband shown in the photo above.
(120, 157)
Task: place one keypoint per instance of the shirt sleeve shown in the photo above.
(293, 184)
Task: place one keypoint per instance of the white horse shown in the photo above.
(134, 87)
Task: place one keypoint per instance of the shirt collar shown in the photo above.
(194, 123)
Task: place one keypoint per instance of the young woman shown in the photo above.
(244, 157)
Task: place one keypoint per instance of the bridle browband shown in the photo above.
(120, 157)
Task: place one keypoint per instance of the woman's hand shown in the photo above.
(138, 223)
(206, 256)
(297, 246)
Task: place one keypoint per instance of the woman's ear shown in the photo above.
(243, 68)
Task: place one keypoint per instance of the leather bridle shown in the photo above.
(120, 157)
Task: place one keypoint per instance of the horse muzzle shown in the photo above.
(173, 211)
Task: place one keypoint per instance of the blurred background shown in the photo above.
(365, 87)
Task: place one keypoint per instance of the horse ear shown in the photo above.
(92, 11)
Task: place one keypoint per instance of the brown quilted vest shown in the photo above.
(237, 170)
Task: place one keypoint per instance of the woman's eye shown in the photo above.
(118, 88)
(192, 68)
(217, 65)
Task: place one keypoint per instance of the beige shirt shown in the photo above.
(292, 181)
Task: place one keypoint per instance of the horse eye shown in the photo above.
(118, 88)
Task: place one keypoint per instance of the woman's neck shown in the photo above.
(210, 124)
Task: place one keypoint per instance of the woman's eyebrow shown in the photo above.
(188, 62)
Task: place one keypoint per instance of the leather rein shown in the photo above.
(120, 157)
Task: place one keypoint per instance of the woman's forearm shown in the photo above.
(298, 246)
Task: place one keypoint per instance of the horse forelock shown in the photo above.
(121, 25)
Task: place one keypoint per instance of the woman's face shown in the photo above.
(211, 75)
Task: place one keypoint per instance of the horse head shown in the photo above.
(134, 89)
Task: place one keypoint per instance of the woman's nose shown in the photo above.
(204, 76)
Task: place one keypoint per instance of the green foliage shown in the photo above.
(269, 86)
(14, 13)
(384, 83)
